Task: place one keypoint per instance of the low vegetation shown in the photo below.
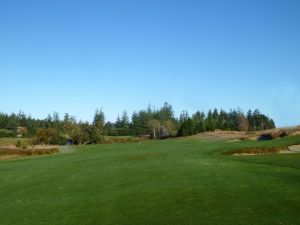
(28, 152)
(258, 150)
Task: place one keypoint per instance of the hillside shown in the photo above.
(255, 135)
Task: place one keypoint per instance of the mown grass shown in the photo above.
(180, 181)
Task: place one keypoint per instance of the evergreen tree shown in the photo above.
(223, 121)
(199, 122)
(124, 124)
(99, 120)
(210, 121)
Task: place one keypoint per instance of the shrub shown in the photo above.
(24, 145)
(32, 141)
(58, 139)
(18, 144)
(7, 133)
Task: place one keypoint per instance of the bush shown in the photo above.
(7, 133)
(58, 140)
(24, 145)
(33, 141)
(18, 144)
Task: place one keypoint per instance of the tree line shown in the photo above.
(160, 123)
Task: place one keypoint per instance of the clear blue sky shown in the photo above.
(74, 56)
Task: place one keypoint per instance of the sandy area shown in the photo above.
(292, 149)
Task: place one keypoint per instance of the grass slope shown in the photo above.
(184, 181)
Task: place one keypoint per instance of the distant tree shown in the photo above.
(183, 116)
(110, 129)
(69, 124)
(215, 119)
(210, 121)
(45, 135)
(242, 122)
(118, 123)
(271, 124)
(85, 133)
(199, 122)
(154, 128)
(135, 124)
(187, 126)
(223, 122)
(166, 113)
(142, 122)
(168, 129)
(125, 120)
(256, 119)
(95, 136)
(76, 135)
(99, 120)
(251, 124)
(122, 124)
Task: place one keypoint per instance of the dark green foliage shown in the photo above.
(159, 123)
(50, 136)
(18, 144)
(187, 128)
(199, 122)
(123, 124)
(211, 121)
(7, 133)
(99, 120)
(95, 135)
(258, 121)
(58, 139)
(110, 129)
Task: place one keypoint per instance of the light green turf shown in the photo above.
(181, 181)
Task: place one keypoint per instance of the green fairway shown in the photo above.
(180, 181)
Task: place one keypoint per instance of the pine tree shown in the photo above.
(99, 120)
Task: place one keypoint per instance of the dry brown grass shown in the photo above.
(258, 150)
(221, 135)
(13, 152)
(255, 135)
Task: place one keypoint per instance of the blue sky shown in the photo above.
(76, 56)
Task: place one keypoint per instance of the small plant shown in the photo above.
(24, 145)
(18, 144)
